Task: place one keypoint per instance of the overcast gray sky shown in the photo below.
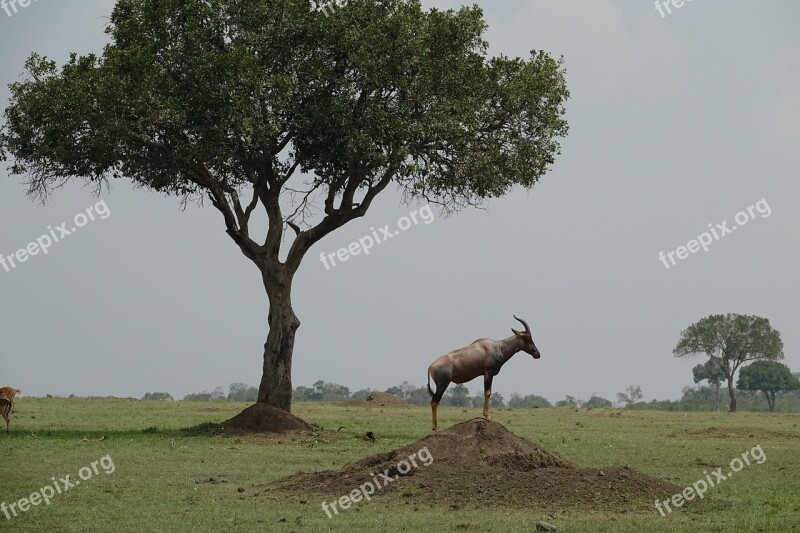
(677, 122)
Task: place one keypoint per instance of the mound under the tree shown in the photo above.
(480, 463)
(263, 418)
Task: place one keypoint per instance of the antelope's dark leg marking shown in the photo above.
(487, 393)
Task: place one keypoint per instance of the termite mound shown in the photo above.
(263, 418)
(479, 463)
(377, 399)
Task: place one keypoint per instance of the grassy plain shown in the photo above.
(166, 479)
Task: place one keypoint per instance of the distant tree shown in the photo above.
(407, 389)
(252, 395)
(731, 340)
(331, 392)
(457, 396)
(768, 377)
(321, 392)
(218, 394)
(402, 391)
(303, 394)
(419, 396)
(569, 401)
(477, 400)
(630, 396)
(237, 392)
(362, 394)
(531, 400)
(597, 402)
(497, 400)
(198, 397)
(712, 372)
(157, 396)
(396, 391)
(241, 392)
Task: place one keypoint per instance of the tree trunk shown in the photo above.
(732, 392)
(276, 380)
(771, 400)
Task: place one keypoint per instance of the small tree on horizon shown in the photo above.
(457, 396)
(730, 341)
(768, 377)
(569, 401)
(630, 396)
(157, 396)
(597, 402)
(711, 372)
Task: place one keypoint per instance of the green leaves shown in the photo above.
(192, 94)
(729, 341)
(731, 337)
(767, 376)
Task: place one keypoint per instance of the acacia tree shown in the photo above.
(768, 377)
(271, 107)
(711, 372)
(630, 396)
(730, 341)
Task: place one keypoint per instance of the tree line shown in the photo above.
(756, 392)
(729, 341)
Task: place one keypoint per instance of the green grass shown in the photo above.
(166, 479)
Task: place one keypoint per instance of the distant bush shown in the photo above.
(157, 396)
(598, 402)
(198, 397)
(362, 394)
(529, 401)
(241, 392)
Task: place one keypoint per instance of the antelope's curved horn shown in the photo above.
(527, 327)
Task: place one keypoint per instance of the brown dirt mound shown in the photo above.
(482, 464)
(377, 399)
(262, 418)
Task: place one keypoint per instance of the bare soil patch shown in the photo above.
(377, 399)
(482, 464)
(732, 433)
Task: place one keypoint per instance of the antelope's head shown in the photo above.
(526, 338)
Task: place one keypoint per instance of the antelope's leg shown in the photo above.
(437, 397)
(487, 393)
(5, 410)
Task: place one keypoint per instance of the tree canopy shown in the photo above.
(768, 377)
(730, 341)
(630, 396)
(712, 372)
(272, 107)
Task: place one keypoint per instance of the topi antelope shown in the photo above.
(7, 403)
(484, 357)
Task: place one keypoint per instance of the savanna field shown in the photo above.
(164, 471)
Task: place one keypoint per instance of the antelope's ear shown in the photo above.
(515, 332)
